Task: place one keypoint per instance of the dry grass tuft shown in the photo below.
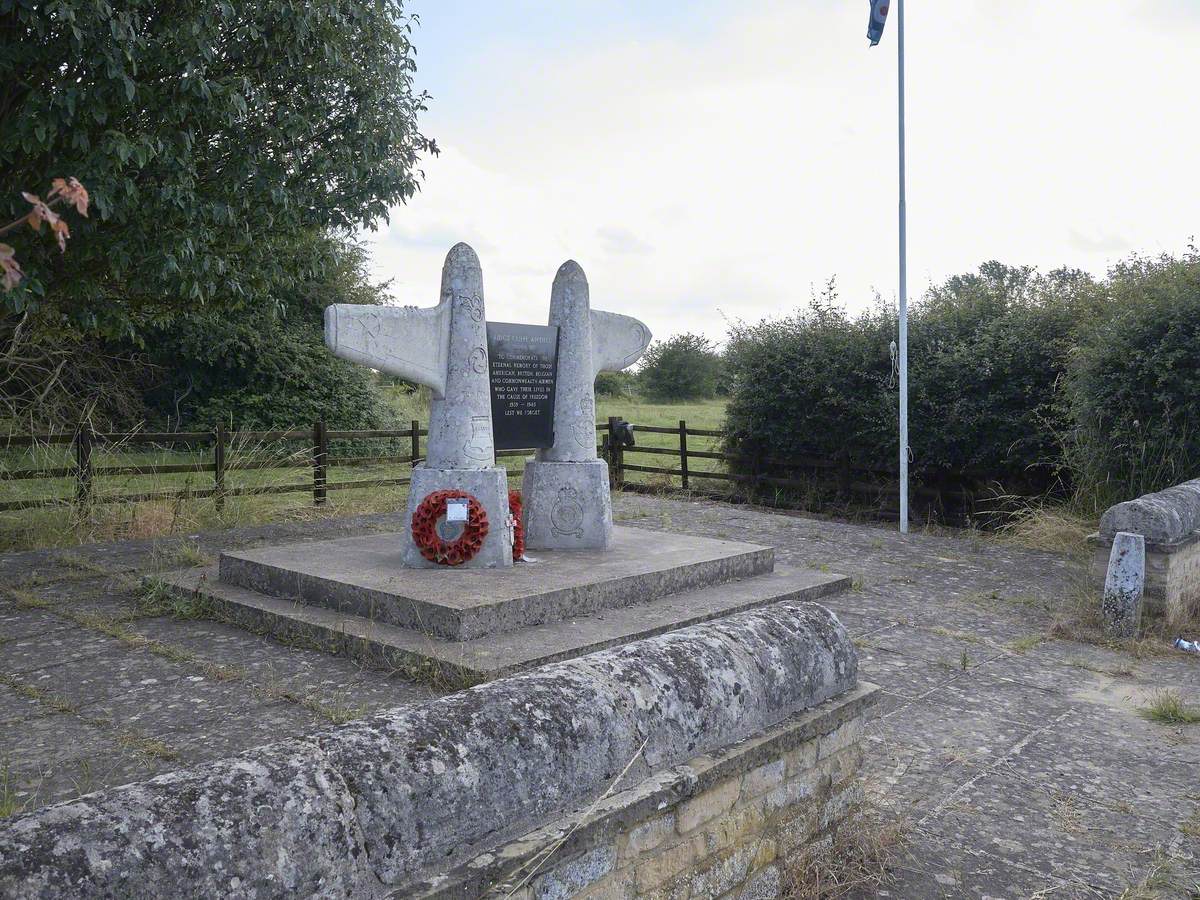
(10, 803)
(857, 858)
(1055, 528)
(1168, 708)
(1164, 878)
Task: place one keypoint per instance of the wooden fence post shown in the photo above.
(219, 439)
(320, 462)
(416, 441)
(83, 464)
(616, 461)
(683, 462)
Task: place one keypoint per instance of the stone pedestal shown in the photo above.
(490, 488)
(567, 505)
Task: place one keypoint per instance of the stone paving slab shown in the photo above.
(301, 670)
(1055, 834)
(17, 622)
(15, 706)
(117, 670)
(53, 648)
(191, 704)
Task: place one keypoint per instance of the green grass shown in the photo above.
(10, 803)
(702, 414)
(1167, 708)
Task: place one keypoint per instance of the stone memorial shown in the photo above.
(565, 489)
(445, 348)
(537, 392)
(465, 613)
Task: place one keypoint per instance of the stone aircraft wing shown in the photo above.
(406, 341)
(617, 341)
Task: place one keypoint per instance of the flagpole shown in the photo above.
(903, 287)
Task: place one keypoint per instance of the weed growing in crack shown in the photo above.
(1167, 708)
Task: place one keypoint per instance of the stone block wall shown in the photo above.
(725, 827)
(672, 766)
(1172, 576)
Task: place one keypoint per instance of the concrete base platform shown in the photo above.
(352, 596)
(459, 663)
(365, 577)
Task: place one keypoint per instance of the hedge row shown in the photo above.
(1032, 381)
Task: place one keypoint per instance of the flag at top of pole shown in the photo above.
(879, 11)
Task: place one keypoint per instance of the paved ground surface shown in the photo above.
(1021, 764)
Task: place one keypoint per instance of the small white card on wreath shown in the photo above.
(457, 510)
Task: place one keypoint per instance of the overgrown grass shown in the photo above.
(858, 859)
(1165, 877)
(1075, 616)
(10, 803)
(1061, 528)
(1167, 708)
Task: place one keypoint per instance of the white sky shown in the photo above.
(703, 160)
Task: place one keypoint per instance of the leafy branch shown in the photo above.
(63, 191)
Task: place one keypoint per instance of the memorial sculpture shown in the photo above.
(445, 348)
(458, 508)
(565, 488)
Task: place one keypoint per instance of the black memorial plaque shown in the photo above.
(524, 367)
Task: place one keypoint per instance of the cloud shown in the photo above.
(617, 241)
(734, 166)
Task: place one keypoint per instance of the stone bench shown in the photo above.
(1169, 521)
(684, 761)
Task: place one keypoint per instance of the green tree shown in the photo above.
(683, 367)
(254, 371)
(204, 131)
(215, 139)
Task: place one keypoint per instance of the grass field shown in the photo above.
(65, 525)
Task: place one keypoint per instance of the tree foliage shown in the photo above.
(987, 353)
(683, 367)
(208, 133)
(253, 371)
(816, 382)
(1135, 381)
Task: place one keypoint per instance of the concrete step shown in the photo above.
(364, 577)
(461, 662)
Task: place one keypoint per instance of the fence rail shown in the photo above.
(958, 494)
(85, 442)
(748, 472)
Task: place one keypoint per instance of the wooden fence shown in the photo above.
(318, 459)
(955, 497)
(872, 484)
